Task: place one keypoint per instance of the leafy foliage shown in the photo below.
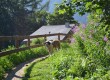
(16, 15)
(60, 16)
(20, 17)
(37, 41)
(100, 8)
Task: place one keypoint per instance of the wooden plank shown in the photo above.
(4, 53)
(64, 41)
(59, 36)
(4, 38)
(28, 43)
(16, 42)
(63, 34)
(37, 36)
(45, 38)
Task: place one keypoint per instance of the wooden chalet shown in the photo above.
(51, 29)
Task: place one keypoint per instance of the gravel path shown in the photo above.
(18, 72)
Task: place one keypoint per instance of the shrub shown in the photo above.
(2, 72)
(37, 41)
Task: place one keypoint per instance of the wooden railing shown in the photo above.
(18, 38)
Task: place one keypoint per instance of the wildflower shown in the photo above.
(97, 43)
(105, 39)
(90, 36)
(75, 29)
(72, 40)
(82, 36)
(91, 31)
(92, 22)
(83, 26)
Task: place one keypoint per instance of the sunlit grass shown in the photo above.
(45, 69)
(41, 70)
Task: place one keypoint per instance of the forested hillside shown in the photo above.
(18, 17)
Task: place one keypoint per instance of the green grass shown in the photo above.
(72, 62)
(40, 71)
(10, 61)
(45, 69)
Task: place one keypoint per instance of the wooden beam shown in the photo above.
(4, 53)
(4, 38)
(45, 37)
(59, 36)
(28, 42)
(16, 42)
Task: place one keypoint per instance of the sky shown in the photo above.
(52, 4)
(80, 19)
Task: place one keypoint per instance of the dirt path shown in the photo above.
(18, 72)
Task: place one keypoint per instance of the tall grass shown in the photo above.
(80, 61)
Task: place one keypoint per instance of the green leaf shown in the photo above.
(62, 11)
(99, 11)
(74, 0)
(88, 5)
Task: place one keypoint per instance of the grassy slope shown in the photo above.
(45, 69)
(82, 60)
(40, 71)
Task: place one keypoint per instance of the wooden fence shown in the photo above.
(18, 38)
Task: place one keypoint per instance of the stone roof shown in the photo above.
(53, 29)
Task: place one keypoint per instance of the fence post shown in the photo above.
(16, 42)
(28, 41)
(45, 37)
(59, 36)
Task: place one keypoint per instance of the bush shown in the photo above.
(2, 72)
(37, 41)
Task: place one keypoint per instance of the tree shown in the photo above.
(57, 18)
(17, 17)
(99, 8)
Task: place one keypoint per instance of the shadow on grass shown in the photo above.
(13, 74)
(28, 71)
